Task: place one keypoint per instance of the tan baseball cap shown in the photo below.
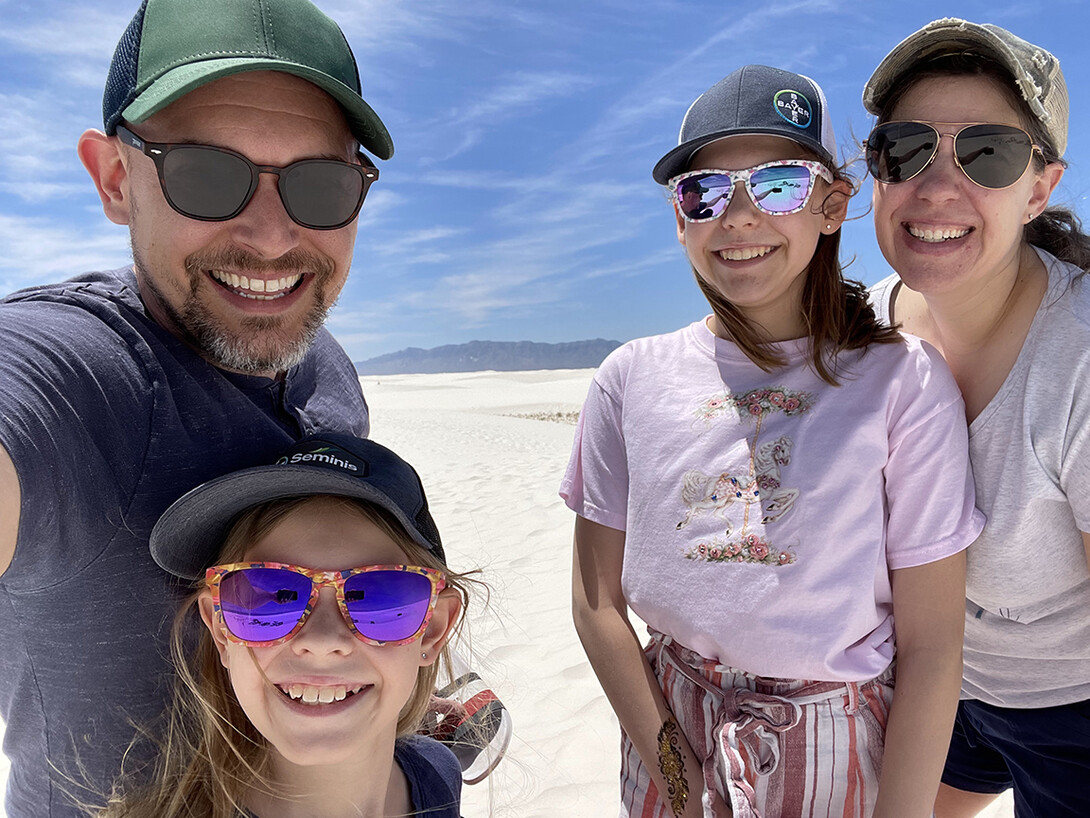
(1035, 71)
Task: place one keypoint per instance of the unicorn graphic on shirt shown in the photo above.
(759, 490)
(716, 493)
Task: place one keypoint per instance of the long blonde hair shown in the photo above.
(210, 755)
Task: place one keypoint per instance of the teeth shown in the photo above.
(312, 694)
(257, 288)
(942, 234)
(744, 253)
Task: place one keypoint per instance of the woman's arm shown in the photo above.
(601, 620)
(929, 618)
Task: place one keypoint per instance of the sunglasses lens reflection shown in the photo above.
(704, 197)
(776, 189)
(897, 151)
(781, 188)
(993, 156)
(387, 606)
(263, 604)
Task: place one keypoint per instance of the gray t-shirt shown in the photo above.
(1027, 628)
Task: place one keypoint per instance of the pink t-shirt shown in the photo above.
(763, 511)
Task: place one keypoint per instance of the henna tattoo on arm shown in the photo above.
(672, 766)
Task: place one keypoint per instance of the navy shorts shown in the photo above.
(1044, 754)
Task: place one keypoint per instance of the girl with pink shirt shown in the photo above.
(769, 488)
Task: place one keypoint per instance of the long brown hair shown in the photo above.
(835, 310)
(1057, 229)
(210, 755)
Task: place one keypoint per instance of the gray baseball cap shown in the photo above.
(755, 99)
(1035, 72)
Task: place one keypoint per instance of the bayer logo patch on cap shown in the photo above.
(793, 107)
(753, 100)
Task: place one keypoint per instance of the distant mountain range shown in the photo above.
(503, 356)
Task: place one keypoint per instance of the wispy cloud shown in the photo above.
(40, 249)
(512, 98)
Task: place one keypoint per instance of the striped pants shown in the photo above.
(772, 748)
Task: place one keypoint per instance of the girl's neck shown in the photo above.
(371, 787)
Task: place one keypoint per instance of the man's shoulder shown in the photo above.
(81, 307)
(117, 286)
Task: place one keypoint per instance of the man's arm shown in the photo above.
(9, 509)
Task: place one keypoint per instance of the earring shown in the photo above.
(423, 655)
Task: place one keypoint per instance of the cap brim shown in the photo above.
(677, 161)
(364, 123)
(189, 534)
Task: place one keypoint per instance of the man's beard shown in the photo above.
(260, 345)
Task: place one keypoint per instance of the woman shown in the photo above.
(995, 278)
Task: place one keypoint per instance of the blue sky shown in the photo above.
(519, 204)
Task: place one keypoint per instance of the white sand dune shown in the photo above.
(491, 462)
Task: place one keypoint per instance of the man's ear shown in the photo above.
(101, 155)
(208, 616)
(447, 610)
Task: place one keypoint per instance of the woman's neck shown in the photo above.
(962, 320)
(372, 787)
(979, 329)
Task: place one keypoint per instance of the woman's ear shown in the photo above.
(443, 619)
(101, 156)
(208, 617)
(1043, 186)
(834, 207)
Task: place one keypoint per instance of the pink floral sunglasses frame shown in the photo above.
(318, 580)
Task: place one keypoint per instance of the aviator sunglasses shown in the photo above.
(991, 156)
(265, 603)
(214, 184)
(777, 188)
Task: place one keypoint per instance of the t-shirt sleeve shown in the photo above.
(929, 481)
(72, 390)
(595, 485)
(435, 777)
(1075, 458)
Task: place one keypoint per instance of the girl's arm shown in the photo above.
(601, 620)
(929, 618)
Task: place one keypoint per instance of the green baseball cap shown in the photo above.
(174, 46)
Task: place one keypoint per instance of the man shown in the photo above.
(231, 149)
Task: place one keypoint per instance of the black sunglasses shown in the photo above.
(214, 184)
(992, 156)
